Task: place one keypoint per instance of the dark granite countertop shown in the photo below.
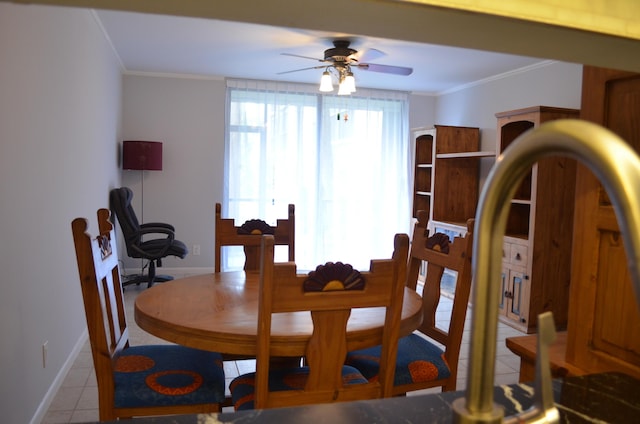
(607, 397)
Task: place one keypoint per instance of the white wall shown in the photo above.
(188, 116)
(550, 84)
(422, 110)
(60, 96)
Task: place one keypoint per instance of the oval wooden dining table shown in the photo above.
(218, 312)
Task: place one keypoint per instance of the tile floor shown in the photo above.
(77, 398)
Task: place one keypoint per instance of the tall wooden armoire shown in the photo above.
(604, 320)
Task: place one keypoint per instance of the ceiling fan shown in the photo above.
(342, 55)
(341, 58)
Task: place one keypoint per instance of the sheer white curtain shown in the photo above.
(342, 160)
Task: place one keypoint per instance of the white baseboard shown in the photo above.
(62, 374)
(57, 382)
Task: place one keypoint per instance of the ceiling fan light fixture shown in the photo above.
(343, 89)
(325, 82)
(349, 82)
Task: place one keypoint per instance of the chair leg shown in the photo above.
(152, 278)
(152, 273)
(135, 279)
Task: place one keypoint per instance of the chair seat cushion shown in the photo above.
(155, 248)
(418, 361)
(243, 387)
(159, 375)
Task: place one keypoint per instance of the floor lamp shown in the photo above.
(142, 156)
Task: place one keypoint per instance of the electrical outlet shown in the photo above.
(196, 250)
(45, 346)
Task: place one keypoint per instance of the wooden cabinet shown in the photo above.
(537, 243)
(604, 321)
(423, 170)
(446, 179)
(514, 280)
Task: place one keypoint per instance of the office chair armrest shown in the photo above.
(155, 230)
(158, 225)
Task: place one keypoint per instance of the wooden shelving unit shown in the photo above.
(447, 168)
(423, 170)
(536, 269)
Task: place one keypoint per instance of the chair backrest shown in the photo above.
(103, 302)
(441, 254)
(329, 293)
(120, 202)
(248, 235)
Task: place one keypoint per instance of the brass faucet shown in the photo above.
(617, 166)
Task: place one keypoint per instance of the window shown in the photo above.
(342, 160)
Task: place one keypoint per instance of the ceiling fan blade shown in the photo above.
(304, 57)
(302, 69)
(367, 55)
(387, 69)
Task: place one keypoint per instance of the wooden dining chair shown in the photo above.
(421, 363)
(136, 380)
(247, 235)
(329, 294)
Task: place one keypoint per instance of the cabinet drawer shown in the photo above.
(518, 255)
(506, 253)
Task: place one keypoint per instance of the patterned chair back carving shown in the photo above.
(248, 235)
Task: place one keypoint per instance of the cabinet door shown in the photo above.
(513, 297)
(515, 304)
(504, 291)
(604, 324)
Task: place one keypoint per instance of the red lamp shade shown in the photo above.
(142, 155)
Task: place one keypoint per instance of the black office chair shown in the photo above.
(152, 250)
